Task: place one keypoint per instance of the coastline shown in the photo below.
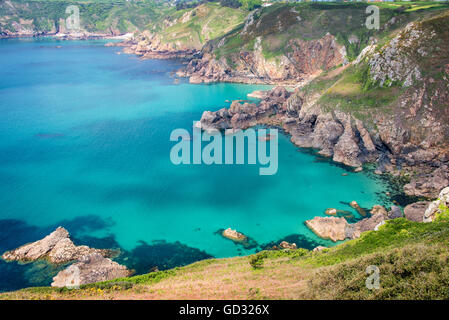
(273, 122)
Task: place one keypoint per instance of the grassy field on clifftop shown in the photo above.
(412, 259)
(194, 27)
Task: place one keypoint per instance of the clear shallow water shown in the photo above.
(84, 143)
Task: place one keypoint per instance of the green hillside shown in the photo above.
(194, 27)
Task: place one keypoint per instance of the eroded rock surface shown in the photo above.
(57, 247)
(89, 269)
(331, 228)
(415, 211)
(336, 229)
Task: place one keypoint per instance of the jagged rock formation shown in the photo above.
(331, 228)
(303, 60)
(89, 269)
(150, 46)
(411, 137)
(56, 247)
(336, 229)
(286, 245)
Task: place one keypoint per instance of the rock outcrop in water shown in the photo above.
(90, 268)
(56, 247)
(234, 235)
(149, 46)
(336, 229)
(331, 228)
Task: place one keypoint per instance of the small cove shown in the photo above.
(84, 143)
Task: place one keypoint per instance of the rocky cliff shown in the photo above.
(389, 106)
(290, 43)
(183, 33)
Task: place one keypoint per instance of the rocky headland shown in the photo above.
(149, 46)
(90, 265)
(407, 137)
(57, 248)
(304, 61)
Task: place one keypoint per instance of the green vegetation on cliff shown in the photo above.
(412, 259)
(276, 25)
(193, 27)
(95, 16)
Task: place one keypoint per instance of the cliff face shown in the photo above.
(389, 106)
(303, 60)
(288, 44)
(182, 34)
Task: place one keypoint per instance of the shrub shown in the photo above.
(256, 261)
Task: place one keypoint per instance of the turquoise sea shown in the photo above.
(84, 143)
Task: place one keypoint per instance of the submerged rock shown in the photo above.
(90, 268)
(359, 209)
(57, 247)
(286, 245)
(331, 228)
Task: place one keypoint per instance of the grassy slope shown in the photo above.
(412, 258)
(95, 16)
(195, 26)
(279, 23)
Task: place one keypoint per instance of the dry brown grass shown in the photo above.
(224, 279)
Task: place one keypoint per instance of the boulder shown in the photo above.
(378, 209)
(415, 211)
(329, 227)
(367, 224)
(286, 245)
(234, 235)
(90, 268)
(319, 248)
(395, 212)
(57, 247)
